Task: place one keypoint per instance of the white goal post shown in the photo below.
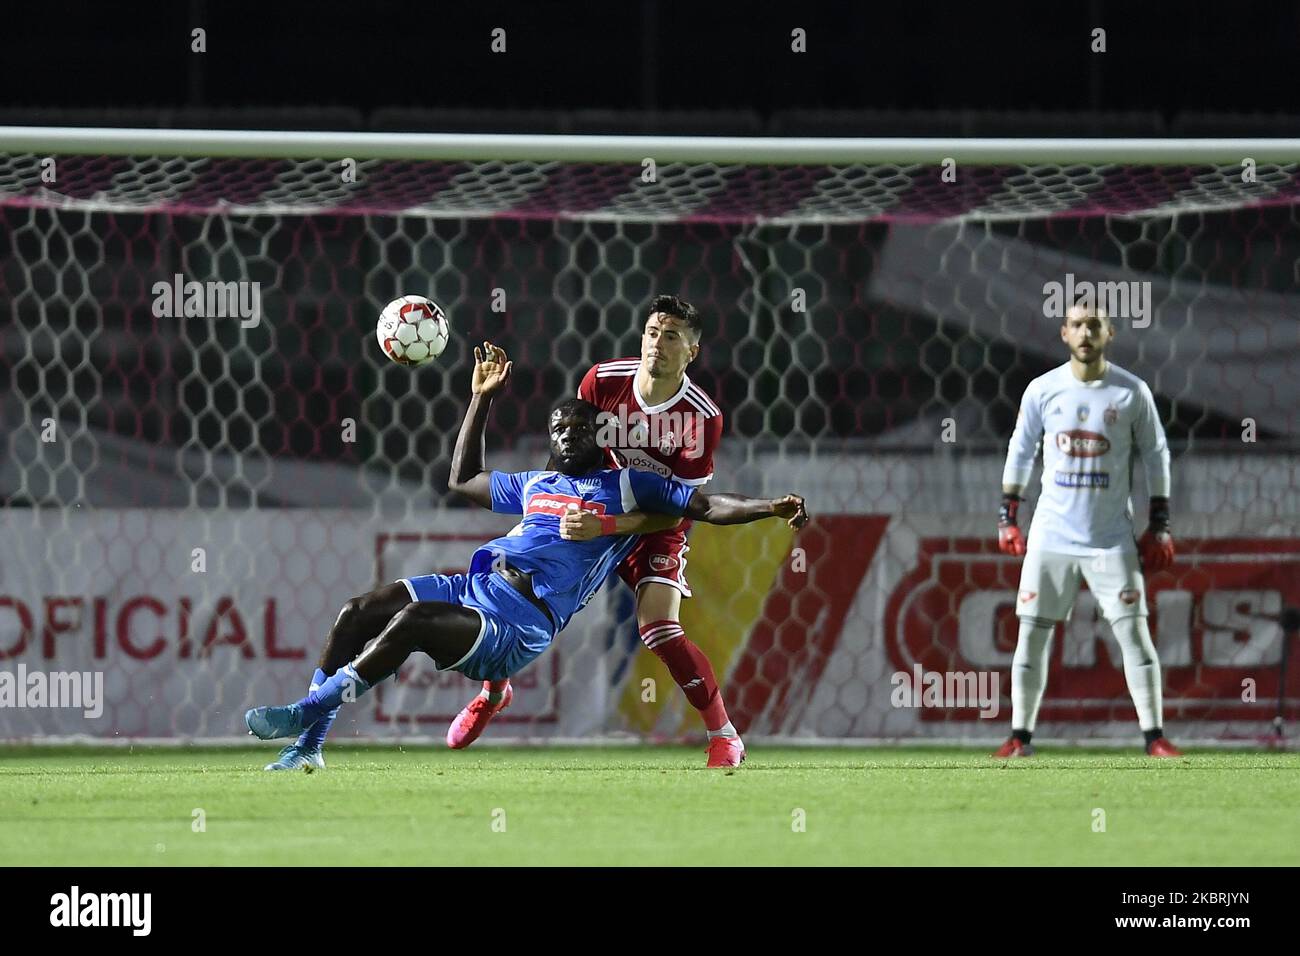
(764, 150)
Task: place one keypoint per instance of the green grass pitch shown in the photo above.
(646, 806)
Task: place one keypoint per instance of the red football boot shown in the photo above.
(1161, 747)
(473, 720)
(1014, 748)
(726, 752)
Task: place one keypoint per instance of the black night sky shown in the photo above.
(1162, 58)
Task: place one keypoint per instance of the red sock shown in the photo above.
(689, 668)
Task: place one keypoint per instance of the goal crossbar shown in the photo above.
(767, 150)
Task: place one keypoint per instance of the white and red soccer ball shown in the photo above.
(412, 330)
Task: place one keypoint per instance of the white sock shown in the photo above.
(726, 730)
(1029, 671)
(1141, 669)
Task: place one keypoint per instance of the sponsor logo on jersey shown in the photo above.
(1111, 416)
(662, 562)
(667, 444)
(1083, 413)
(1130, 595)
(556, 504)
(632, 458)
(1083, 479)
(1082, 444)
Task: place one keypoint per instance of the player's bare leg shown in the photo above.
(359, 622)
(446, 632)
(658, 618)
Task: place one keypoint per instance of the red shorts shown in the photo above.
(658, 557)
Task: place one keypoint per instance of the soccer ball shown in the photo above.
(412, 330)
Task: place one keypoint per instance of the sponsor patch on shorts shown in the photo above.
(662, 562)
(1130, 595)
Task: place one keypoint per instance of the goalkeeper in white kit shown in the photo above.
(1090, 417)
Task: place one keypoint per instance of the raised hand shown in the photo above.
(491, 370)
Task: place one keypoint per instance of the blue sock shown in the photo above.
(331, 693)
(313, 738)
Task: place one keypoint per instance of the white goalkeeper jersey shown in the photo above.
(1089, 433)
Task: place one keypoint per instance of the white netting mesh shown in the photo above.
(855, 314)
(790, 194)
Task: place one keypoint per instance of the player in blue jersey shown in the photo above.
(520, 589)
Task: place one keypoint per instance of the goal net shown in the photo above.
(205, 453)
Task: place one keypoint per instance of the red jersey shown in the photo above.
(675, 438)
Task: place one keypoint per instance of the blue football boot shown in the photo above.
(298, 757)
(269, 723)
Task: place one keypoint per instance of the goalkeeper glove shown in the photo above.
(1010, 540)
(1157, 544)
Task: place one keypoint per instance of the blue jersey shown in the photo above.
(567, 573)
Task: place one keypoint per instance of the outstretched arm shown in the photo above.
(711, 509)
(727, 508)
(468, 475)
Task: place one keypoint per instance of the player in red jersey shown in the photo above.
(654, 418)
(659, 420)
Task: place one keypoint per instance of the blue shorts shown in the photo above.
(512, 633)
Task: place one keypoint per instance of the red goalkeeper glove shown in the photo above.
(1157, 545)
(1010, 540)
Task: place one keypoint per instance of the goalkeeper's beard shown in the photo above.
(1095, 358)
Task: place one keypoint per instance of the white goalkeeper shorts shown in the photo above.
(1049, 583)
